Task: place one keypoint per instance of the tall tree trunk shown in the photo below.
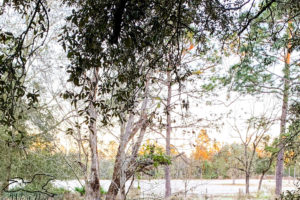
(124, 139)
(284, 109)
(168, 136)
(247, 182)
(93, 183)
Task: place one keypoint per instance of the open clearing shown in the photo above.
(204, 187)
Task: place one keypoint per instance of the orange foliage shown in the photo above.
(191, 47)
(205, 148)
(262, 153)
(289, 156)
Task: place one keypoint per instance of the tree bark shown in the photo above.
(260, 181)
(93, 183)
(115, 183)
(247, 182)
(168, 136)
(124, 139)
(283, 118)
(264, 172)
(233, 176)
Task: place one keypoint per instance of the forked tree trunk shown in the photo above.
(168, 135)
(115, 185)
(93, 184)
(284, 109)
(122, 174)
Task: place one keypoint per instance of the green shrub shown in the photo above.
(81, 190)
(102, 191)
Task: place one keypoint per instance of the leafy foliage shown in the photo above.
(81, 190)
(155, 155)
(16, 49)
(125, 40)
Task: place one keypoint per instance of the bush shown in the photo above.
(81, 190)
(102, 191)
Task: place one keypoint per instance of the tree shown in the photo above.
(205, 149)
(124, 168)
(112, 46)
(255, 131)
(16, 49)
(273, 31)
(128, 39)
(266, 156)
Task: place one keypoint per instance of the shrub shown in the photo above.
(81, 190)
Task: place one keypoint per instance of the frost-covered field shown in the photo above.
(156, 188)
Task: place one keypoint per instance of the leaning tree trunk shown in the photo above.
(261, 180)
(168, 135)
(284, 109)
(93, 183)
(115, 182)
(264, 172)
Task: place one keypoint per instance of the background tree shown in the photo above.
(270, 34)
(255, 130)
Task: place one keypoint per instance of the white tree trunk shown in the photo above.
(93, 183)
(123, 168)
